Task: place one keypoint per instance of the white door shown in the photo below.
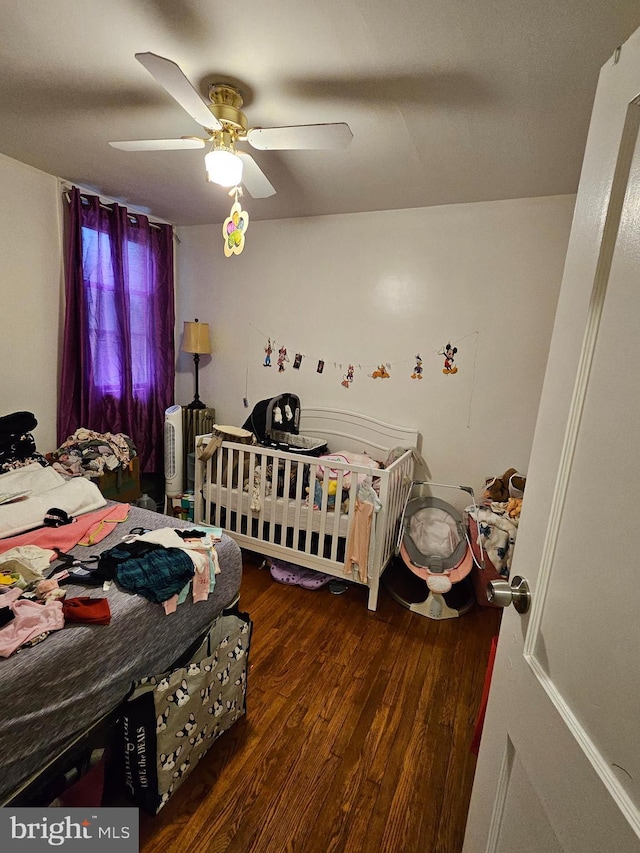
(559, 766)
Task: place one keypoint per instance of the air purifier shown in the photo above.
(173, 460)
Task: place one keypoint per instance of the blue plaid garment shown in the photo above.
(151, 570)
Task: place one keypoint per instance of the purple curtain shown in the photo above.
(118, 361)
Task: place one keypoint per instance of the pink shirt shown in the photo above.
(31, 619)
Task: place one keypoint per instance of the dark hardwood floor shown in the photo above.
(357, 734)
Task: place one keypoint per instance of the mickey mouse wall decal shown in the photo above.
(449, 353)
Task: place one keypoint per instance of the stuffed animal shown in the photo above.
(514, 507)
(331, 494)
(499, 489)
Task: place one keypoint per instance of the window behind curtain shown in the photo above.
(118, 359)
(106, 341)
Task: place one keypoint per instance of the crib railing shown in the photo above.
(265, 499)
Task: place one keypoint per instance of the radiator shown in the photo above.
(194, 422)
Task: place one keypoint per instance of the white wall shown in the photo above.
(366, 288)
(30, 296)
(382, 287)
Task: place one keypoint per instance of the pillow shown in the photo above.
(349, 458)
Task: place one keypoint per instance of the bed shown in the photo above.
(261, 496)
(56, 695)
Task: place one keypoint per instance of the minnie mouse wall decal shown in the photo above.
(282, 357)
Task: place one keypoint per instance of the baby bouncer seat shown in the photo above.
(431, 578)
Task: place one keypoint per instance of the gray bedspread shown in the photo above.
(54, 691)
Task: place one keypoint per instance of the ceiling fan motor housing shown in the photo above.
(225, 105)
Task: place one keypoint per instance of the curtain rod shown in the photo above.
(132, 215)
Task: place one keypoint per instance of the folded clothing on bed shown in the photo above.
(45, 488)
(151, 570)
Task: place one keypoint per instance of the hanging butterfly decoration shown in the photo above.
(235, 226)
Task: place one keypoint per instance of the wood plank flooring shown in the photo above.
(356, 737)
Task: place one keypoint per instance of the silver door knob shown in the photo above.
(503, 593)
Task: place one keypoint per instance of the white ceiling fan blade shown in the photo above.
(159, 144)
(302, 136)
(170, 77)
(254, 179)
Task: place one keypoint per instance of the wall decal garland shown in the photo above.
(383, 370)
(379, 370)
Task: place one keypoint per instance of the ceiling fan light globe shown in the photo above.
(223, 168)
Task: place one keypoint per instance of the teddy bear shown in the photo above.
(499, 489)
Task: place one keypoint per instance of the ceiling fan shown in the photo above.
(226, 125)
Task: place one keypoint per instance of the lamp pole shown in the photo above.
(196, 402)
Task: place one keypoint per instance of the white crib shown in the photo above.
(283, 522)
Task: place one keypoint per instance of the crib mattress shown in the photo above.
(278, 511)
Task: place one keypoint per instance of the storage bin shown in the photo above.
(172, 719)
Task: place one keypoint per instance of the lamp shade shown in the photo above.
(195, 338)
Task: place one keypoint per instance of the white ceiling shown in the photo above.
(448, 100)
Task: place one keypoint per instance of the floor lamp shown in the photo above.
(196, 340)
